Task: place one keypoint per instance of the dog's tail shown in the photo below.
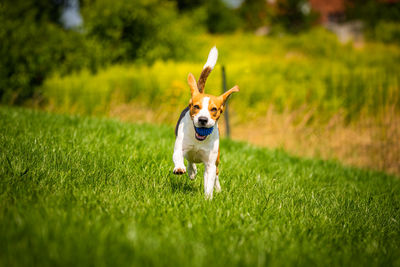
(208, 67)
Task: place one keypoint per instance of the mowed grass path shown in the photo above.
(83, 191)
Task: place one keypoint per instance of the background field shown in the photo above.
(312, 69)
(308, 94)
(305, 88)
(86, 191)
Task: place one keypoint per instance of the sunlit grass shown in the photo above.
(85, 191)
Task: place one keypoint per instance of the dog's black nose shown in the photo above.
(203, 120)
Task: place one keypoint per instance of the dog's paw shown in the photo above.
(179, 170)
(192, 171)
(208, 196)
(192, 175)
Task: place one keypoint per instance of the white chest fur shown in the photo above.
(198, 151)
(195, 151)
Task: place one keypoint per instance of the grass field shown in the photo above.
(78, 191)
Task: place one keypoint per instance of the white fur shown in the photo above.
(204, 112)
(212, 58)
(195, 151)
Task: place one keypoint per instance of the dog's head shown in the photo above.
(205, 109)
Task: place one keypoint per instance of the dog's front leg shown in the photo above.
(178, 159)
(178, 153)
(209, 179)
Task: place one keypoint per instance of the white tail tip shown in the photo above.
(212, 58)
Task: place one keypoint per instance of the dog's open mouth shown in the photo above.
(200, 137)
(202, 133)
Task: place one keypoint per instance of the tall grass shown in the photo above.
(288, 72)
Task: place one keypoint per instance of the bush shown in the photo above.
(292, 16)
(255, 13)
(33, 43)
(387, 32)
(30, 51)
(220, 18)
(130, 30)
(21, 42)
(372, 12)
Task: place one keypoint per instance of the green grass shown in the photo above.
(78, 191)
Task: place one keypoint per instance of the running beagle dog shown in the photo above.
(197, 133)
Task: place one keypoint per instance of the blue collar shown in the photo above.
(204, 131)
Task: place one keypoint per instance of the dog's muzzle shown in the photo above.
(202, 132)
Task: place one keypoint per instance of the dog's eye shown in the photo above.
(214, 109)
(196, 106)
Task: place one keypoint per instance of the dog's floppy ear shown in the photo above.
(224, 97)
(192, 84)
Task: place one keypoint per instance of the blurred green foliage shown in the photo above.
(294, 15)
(310, 70)
(372, 12)
(386, 32)
(255, 13)
(220, 18)
(381, 18)
(143, 29)
(34, 44)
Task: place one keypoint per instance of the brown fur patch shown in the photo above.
(179, 171)
(215, 105)
(203, 78)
